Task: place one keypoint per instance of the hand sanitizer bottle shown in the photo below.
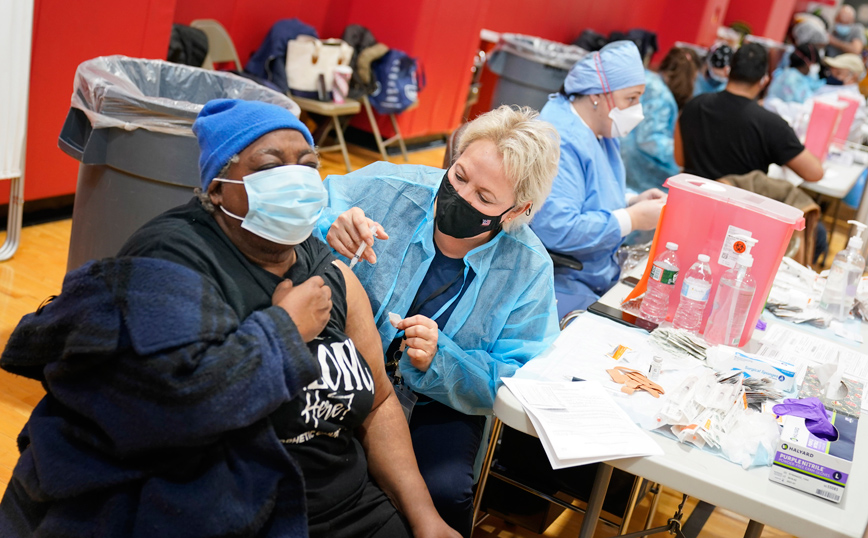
(840, 291)
(732, 299)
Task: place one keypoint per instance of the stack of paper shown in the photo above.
(579, 423)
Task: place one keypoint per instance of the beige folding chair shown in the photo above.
(398, 138)
(220, 47)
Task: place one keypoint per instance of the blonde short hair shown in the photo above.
(530, 149)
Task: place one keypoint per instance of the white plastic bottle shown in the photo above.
(695, 291)
(732, 300)
(664, 272)
(840, 291)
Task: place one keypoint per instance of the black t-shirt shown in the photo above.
(723, 133)
(317, 426)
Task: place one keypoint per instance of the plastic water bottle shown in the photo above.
(695, 290)
(664, 272)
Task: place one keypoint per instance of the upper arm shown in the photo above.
(362, 330)
(677, 147)
(807, 166)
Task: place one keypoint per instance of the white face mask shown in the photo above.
(814, 70)
(283, 203)
(625, 120)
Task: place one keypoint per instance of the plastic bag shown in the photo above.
(133, 93)
(537, 50)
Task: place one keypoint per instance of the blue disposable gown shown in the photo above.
(505, 318)
(649, 157)
(576, 219)
(791, 86)
(706, 84)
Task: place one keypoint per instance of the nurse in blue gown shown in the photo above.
(589, 211)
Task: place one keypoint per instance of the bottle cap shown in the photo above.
(672, 246)
(704, 258)
(745, 258)
(856, 241)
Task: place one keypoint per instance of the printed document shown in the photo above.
(579, 423)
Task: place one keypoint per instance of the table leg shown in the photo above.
(595, 503)
(754, 529)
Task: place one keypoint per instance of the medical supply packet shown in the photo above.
(807, 463)
(781, 371)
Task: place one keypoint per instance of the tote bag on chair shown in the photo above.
(311, 63)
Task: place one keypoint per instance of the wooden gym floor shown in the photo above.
(37, 269)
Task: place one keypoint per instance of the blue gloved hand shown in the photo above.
(814, 413)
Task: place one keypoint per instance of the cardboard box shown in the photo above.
(812, 465)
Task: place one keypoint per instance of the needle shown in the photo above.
(362, 248)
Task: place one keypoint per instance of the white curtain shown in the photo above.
(16, 31)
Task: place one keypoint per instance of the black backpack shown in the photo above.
(360, 38)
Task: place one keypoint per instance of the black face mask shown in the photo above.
(832, 81)
(457, 218)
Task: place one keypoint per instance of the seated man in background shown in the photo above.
(725, 133)
(847, 36)
(845, 73)
(728, 133)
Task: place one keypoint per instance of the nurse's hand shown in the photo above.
(650, 194)
(309, 305)
(420, 338)
(351, 229)
(644, 214)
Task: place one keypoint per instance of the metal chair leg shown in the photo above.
(399, 137)
(496, 427)
(15, 217)
(374, 127)
(339, 132)
(656, 490)
(631, 504)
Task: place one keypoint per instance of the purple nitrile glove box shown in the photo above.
(813, 465)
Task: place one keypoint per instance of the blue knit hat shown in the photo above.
(614, 67)
(224, 127)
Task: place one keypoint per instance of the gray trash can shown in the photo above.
(530, 68)
(130, 128)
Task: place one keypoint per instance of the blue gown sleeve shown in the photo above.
(563, 225)
(656, 133)
(467, 379)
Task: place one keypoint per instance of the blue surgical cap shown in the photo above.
(614, 67)
(224, 127)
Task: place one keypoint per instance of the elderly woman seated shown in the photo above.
(223, 377)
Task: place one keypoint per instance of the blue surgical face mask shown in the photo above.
(714, 77)
(283, 203)
(842, 29)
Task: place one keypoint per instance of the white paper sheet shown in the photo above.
(579, 423)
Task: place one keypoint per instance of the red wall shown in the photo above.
(64, 35)
(442, 34)
(767, 18)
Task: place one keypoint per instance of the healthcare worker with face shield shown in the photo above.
(461, 289)
(589, 212)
